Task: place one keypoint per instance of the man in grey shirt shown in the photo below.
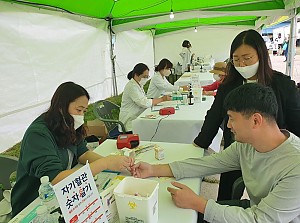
(268, 157)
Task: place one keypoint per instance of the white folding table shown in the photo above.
(181, 127)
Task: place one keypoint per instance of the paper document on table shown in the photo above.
(104, 179)
(108, 199)
(158, 107)
(78, 197)
(168, 103)
(151, 116)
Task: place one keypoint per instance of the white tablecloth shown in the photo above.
(167, 211)
(181, 127)
(205, 78)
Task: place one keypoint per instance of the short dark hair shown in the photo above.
(254, 39)
(58, 119)
(138, 69)
(252, 98)
(186, 44)
(164, 63)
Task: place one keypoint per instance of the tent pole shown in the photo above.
(112, 58)
(291, 44)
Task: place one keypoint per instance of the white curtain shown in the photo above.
(40, 49)
(132, 47)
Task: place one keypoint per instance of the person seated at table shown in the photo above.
(159, 83)
(54, 143)
(268, 157)
(219, 73)
(134, 100)
(249, 63)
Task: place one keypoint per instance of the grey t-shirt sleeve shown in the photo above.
(272, 181)
(227, 160)
(280, 205)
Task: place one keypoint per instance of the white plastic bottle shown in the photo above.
(47, 195)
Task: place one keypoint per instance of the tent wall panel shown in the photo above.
(40, 49)
(132, 47)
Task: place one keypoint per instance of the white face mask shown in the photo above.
(78, 121)
(166, 73)
(248, 71)
(143, 81)
(216, 77)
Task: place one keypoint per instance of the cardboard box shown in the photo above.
(96, 127)
(137, 200)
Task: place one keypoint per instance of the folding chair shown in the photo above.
(8, 164)
(238, 188)
(108, 112)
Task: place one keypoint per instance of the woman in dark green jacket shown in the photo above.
(54, 143)
(249, 62)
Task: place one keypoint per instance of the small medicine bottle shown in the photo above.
(159, 153)
(190, 98)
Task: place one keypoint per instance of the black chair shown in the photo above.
(173, 77)
(238, 189)
(108, 112)
(8, 165)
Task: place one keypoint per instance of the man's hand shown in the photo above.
(142, 170)
(184, 197)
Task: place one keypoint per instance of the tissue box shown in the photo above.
(137, 200)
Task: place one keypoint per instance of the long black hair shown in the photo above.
(254, 39)
(58, 119)
(138, 69)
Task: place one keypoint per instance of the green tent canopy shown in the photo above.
(154, 14)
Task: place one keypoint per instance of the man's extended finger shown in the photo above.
(179, 185)
(172, 190)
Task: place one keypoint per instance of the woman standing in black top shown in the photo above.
(249, 62)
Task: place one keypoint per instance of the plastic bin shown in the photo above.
(137, 200)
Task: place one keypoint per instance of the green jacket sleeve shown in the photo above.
(40, 155)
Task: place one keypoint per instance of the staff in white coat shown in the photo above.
(134, 100)
(186, 55)
(159, 83)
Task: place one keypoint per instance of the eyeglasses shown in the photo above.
(247, 60)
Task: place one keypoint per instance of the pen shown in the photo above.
(111, 171)
(106, 183)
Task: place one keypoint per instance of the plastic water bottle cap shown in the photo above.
(41, 210)
(44, 179)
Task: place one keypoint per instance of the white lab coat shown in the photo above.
(159, 85)
(186, 58)
(134, 102)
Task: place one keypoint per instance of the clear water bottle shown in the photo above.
(42, 215)
(47, 195)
